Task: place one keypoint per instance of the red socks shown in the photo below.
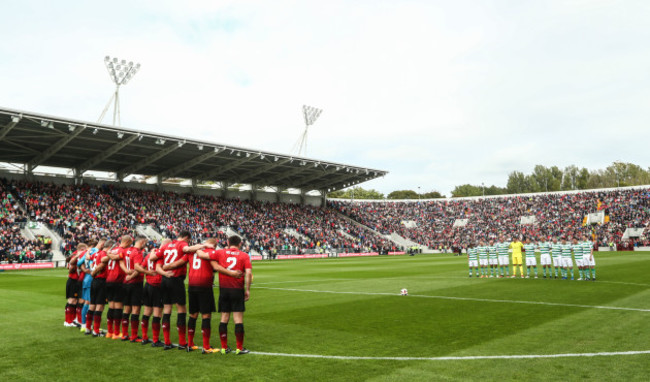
(239, 335)
(89, 319)
(155, 329)
(134, 326)
(166, 322)
(223, 334)
(205, 332)
(145, 327)
(97, 321)
(125, 325)
(69, 313)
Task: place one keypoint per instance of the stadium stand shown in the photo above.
(14, 246)
(80, 212)
(555, 214)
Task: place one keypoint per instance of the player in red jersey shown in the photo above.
(173, 287)
(132, 289)
(200, 292)
(98, 287)
(71, 287)
(152, 298)
(114, 287)
(233, 292)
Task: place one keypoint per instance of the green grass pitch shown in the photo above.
(352, 308)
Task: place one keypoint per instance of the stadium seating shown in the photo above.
(78, 213)
(14, 247)
(555, 214)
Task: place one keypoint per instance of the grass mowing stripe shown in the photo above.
(462, 299)
(459, 358)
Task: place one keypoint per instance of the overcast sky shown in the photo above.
(439, 93)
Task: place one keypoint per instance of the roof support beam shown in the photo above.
(276, 180)
(218, 171)
(54, 148)
(123, 173)
(8, 127)
(334, 180)
(263, 169)
(99, 158)
(189, 164)
(306, 181)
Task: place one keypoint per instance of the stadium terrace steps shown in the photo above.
(34, 229)
(342, 232)
(149, 232)
(297, 234)
(365, 227)
(395, 237)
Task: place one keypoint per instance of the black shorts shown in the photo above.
(231, 300)
(173, 290)
(80, 285)
(201, 300)
(132, 294)
(98, 292)
(152, 296)
(71, 289)
(114, 292)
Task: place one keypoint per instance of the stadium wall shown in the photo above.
(310, 200)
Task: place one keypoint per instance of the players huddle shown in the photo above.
(556, 258)
(129, 279)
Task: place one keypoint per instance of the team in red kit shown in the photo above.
(130, 277)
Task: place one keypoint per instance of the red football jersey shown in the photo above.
(173, 252)
(97, 259)
(201, 273)
(151, 266)
(235, 260)
(133, 256)
(115, 273)
(72, 267)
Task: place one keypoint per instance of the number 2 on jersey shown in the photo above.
(232, 260)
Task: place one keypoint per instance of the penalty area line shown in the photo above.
(457, 358)
(465, 299)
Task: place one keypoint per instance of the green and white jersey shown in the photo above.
(482, 252)
(556, 250)
(502, 249)
(530, 250)
(587, 247)
(566, 250)
(492, 251)
(577, 251)
(472, 254)
(544, 248)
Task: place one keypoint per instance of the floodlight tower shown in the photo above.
(120, 72)
(311, 114)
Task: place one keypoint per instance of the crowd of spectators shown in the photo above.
(431, 223)
(80, 212)
(14, 247)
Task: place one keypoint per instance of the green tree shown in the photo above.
(466, 190)
(517, 183)
(356, 193)
(403, 194)
(432, 195)
(472, 190)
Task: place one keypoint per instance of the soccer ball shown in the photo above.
(404, 292)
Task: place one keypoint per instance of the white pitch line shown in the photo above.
(459, 358)
(465, 299)
(302, 281)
